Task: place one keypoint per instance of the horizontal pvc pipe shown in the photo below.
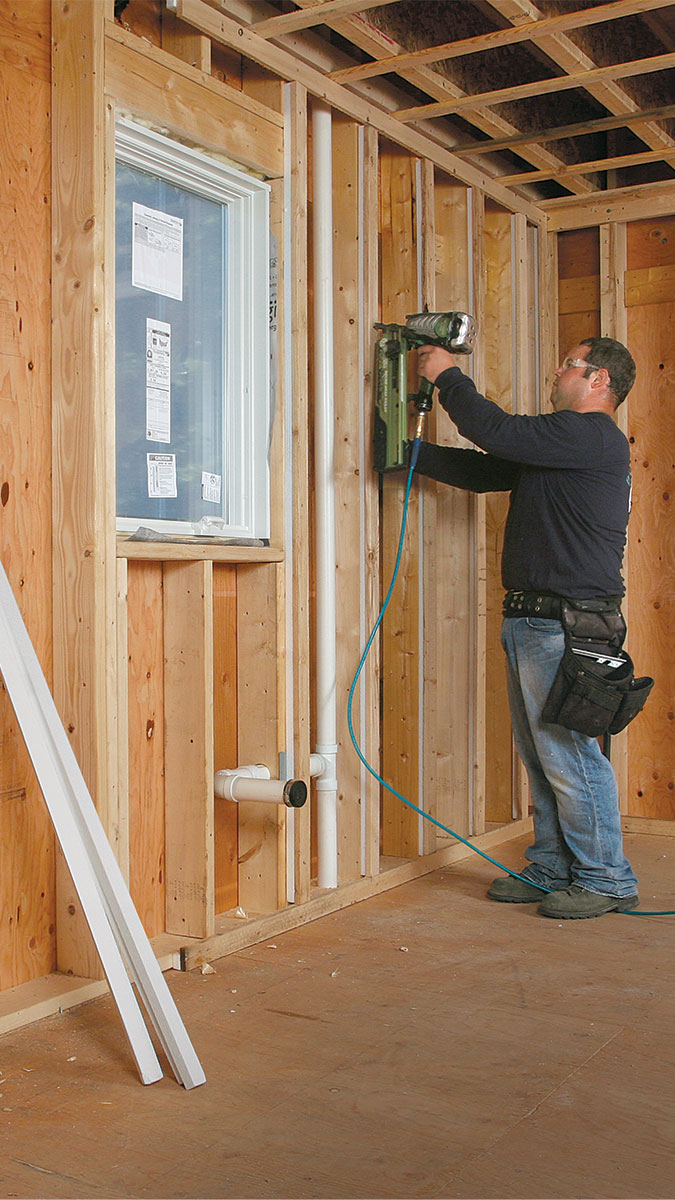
(233, 785)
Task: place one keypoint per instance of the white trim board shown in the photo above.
(120, 939)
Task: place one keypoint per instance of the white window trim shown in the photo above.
(246, 416)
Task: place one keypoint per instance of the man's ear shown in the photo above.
(601, 378)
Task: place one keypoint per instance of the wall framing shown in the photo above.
(136, 626)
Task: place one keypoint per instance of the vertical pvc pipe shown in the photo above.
(326, 783)
(363, 632)
(289, 762)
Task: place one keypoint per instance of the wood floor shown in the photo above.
(425, 1043)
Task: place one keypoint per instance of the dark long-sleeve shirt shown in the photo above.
(569, 477)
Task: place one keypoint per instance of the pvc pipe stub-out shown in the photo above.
(295, 793)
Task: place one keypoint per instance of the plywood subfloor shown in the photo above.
(425, 1043)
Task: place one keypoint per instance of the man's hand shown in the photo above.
(432, 360)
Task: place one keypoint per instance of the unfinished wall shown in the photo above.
(173, 661)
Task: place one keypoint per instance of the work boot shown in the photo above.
(573, 903)
(510, 890)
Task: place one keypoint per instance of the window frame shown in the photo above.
(246, 399)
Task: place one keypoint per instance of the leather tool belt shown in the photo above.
(532, 604)
(548, 604)
(594, 619)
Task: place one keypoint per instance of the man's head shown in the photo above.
(595, 376)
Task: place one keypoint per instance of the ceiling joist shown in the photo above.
(367, 38)
(519, 140)
(599, 164)
(569, 47)
(272, 27)
(541, 87)
(497, 38)
(565, 53)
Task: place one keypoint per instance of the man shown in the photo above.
(569, 476)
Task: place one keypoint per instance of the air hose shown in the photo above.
(427, 816)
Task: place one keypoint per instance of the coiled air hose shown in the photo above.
(427, 816)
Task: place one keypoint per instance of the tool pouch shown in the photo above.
(595, 690)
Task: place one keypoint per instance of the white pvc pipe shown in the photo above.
(326, 783)
(317, 765)
(254, 783)
(289, 409)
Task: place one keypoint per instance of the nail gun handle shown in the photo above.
(423, 399)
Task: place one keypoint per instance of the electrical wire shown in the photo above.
(427, 816)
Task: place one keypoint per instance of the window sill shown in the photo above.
(185, 551)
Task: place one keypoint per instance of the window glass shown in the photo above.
(192, 335)
(184, 419)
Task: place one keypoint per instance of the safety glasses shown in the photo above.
(579, 362)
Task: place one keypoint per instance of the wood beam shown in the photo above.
(497, 38)
(614, 323)
(272, 27)
(621, 204)
(233, 935)
(540, 87)
(456, 717)
(262, 827)
(371, 502)
(84, 586)
(188, 747)
(520, 140)
(597, 164)
(156, 85)
(479, 548)
(428, 681)
(298, 573)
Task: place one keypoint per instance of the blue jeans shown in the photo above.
(577, 824)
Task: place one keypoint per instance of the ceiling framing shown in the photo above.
(562, 99)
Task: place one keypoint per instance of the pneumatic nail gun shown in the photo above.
(453, 331)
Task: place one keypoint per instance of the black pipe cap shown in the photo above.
(295, 793)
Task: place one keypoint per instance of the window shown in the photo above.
(192, 340)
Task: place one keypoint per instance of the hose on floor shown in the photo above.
(427, 816)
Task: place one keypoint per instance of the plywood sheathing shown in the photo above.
(650, 298)
(579, 289)
(325, 1023)
(27, 901)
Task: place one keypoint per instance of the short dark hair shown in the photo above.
(615, 358)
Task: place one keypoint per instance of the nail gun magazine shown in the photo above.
(453, 331)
